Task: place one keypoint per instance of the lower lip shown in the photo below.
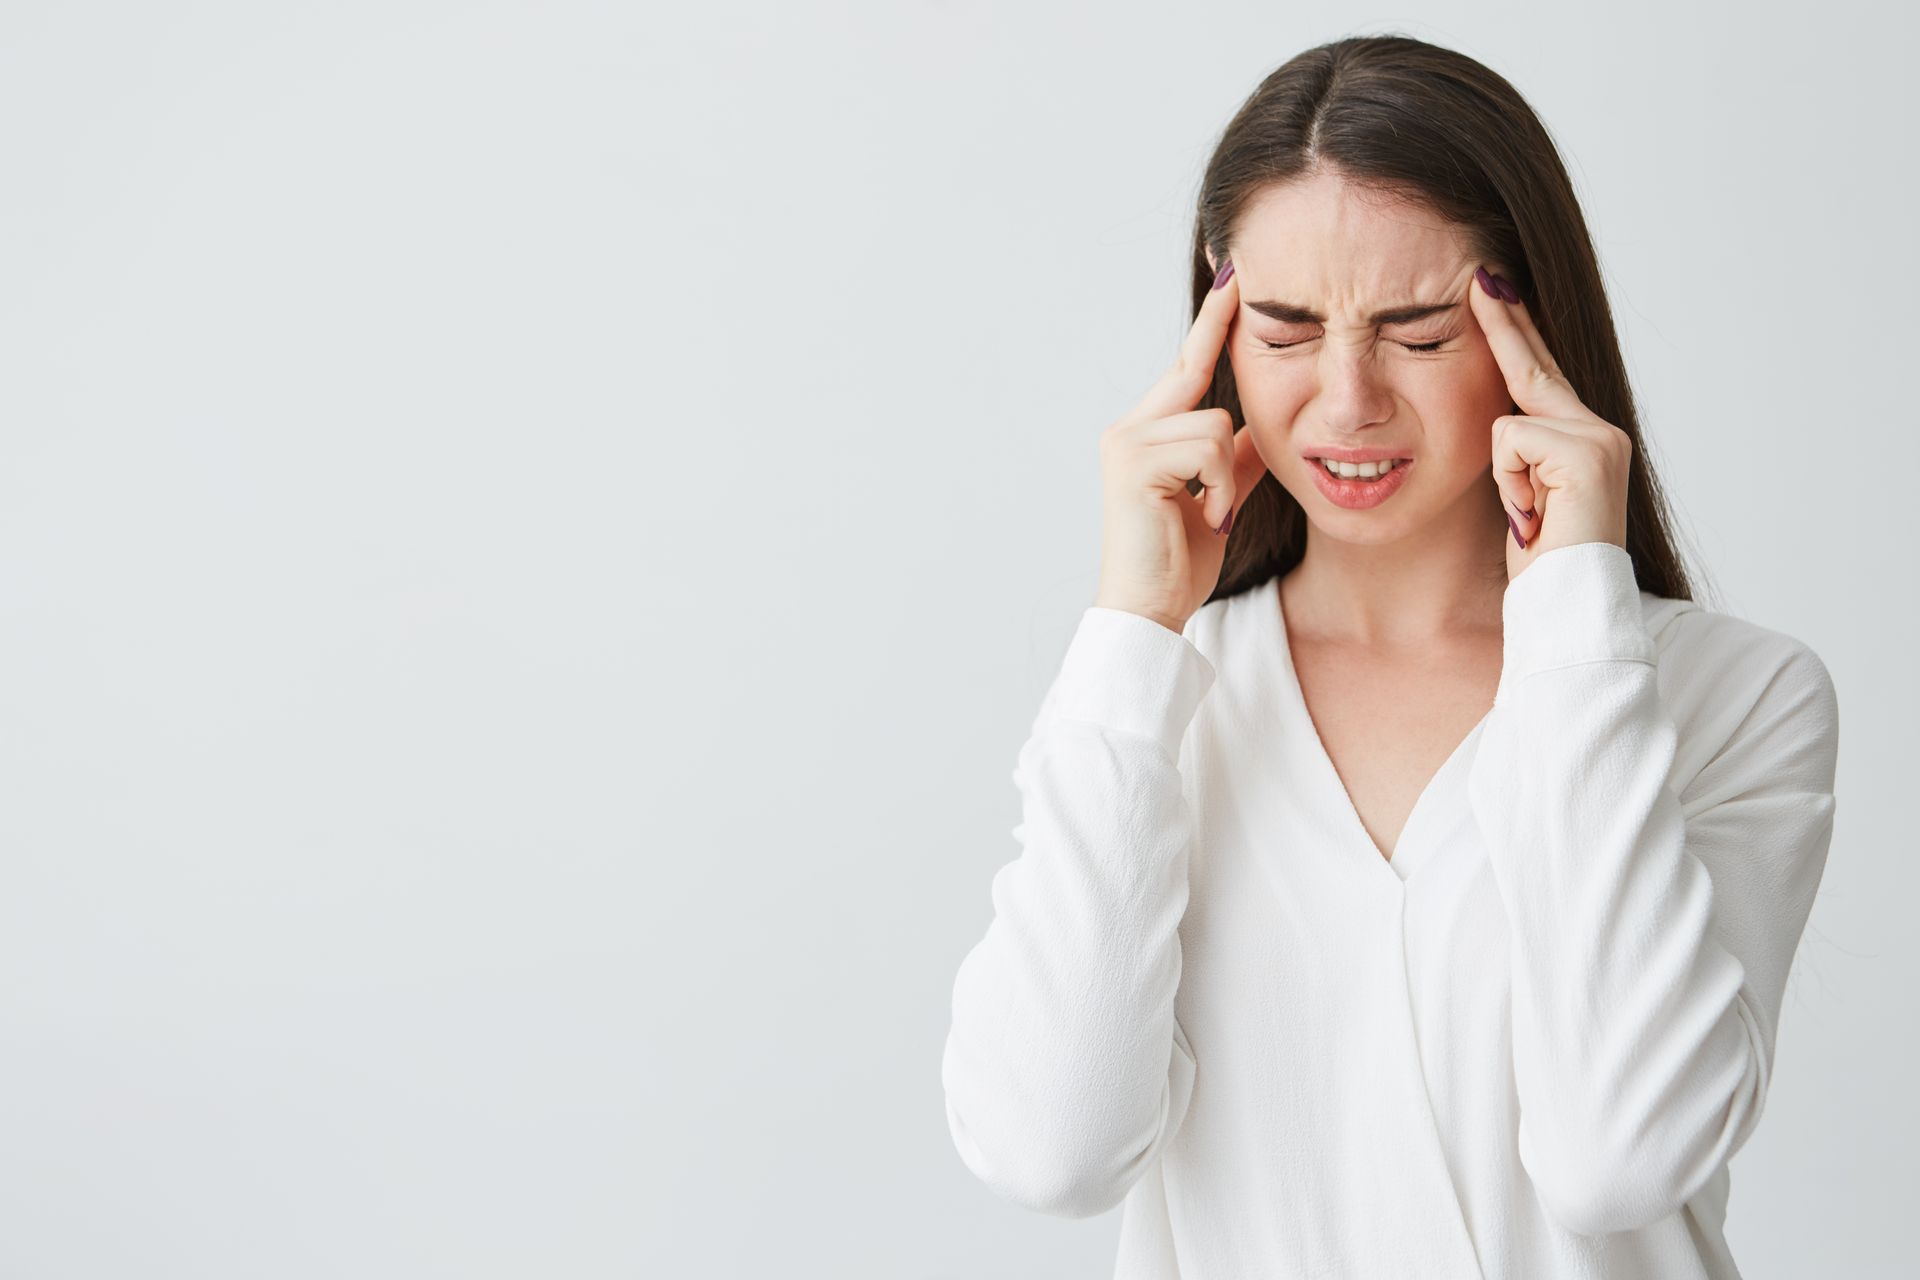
(1357, 494)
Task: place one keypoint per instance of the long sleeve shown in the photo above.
(1064, 1069)
(1652, 919)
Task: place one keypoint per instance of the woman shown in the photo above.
(1410, 867)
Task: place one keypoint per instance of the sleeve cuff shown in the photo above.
(1575, 604)
(1128, 672)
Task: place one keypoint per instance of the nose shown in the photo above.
(1353, 390)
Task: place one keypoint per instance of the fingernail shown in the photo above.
(1516, 530)
(1226, 526)
(1507, 291)
(1525, 515)
(1486, 283)
(1225, 271)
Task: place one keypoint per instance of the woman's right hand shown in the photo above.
(1161, 549)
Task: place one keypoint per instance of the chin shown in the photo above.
(1363, 528)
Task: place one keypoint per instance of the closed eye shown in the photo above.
(1421, 347)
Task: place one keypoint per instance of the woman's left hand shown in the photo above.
(1561, 471)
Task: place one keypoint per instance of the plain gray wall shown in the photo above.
(531, 533)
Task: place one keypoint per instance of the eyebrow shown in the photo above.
(1293, 313)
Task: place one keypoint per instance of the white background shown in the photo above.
(530, 535)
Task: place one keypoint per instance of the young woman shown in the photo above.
(1410, 867)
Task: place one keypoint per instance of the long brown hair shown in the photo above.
(1415, 120)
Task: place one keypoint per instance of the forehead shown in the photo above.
(1323, 241)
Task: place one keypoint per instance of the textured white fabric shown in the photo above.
(1525, 1047)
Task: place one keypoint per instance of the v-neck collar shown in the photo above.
(1416, 841)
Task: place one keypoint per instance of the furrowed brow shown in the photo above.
(1293, 313)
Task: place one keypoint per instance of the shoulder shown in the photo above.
(1215, 622)
(1708, 646)
(1726, 679)
(1204, 627)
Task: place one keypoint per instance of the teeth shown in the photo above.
(1359, 470)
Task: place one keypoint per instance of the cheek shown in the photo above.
(1269, 391)
(1481, 374)
(1455, 398)
(1434, 389)
(1460, 398)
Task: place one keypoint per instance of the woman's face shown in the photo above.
(1317, 261)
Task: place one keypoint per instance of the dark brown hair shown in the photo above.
(1416, 121)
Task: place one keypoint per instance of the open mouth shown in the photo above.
(1372, 482)
(1360, 471)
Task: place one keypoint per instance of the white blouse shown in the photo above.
(1526, 1046)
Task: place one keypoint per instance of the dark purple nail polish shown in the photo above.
(1486, 282)
(1226, 526)
(1524, 515)
(1516, 531)
(1507, 291)
(1225, 272)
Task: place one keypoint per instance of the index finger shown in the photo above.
(1181, 386)
(1533, 377)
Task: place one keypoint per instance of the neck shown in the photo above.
(1448, 576)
